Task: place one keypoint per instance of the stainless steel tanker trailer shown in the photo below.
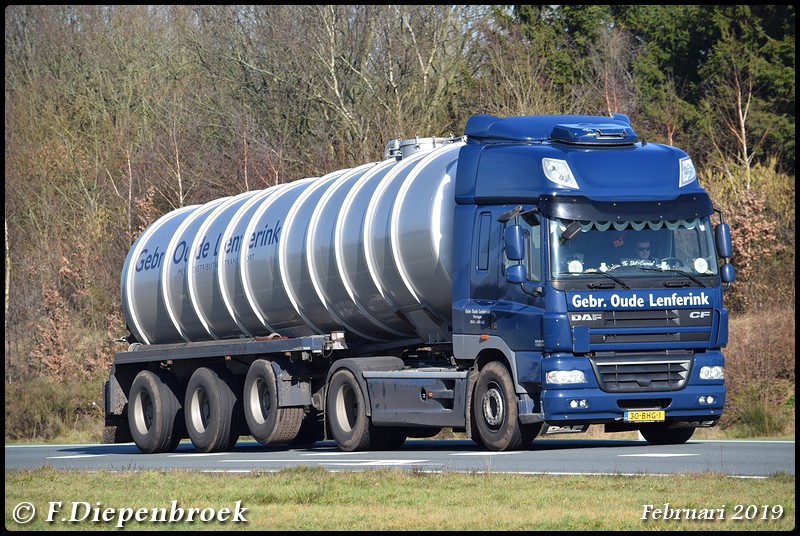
(477, 283)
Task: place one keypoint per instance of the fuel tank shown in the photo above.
(366, 250)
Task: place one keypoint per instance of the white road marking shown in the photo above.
(75, 456)
(377, 462)
(485, 453)
(287, 460)
(656, 455)
(329, 453)
(198, 454)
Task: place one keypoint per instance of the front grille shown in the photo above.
(656, 326)
(642, 372)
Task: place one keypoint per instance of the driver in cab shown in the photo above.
(642, 251)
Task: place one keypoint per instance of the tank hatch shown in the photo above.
(399, 149)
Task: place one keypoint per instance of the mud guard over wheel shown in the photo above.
(213, 409)
(269, 424)
(155, 414)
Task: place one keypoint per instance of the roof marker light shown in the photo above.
(558, 171)
(688, 173)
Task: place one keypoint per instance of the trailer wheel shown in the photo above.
(155, 416)
(268, 423)
(495, 409)
(311, 430)
(347, 415)
(213, 409)
(661, 435)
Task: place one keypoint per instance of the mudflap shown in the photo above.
(116, 429)
(471, 431)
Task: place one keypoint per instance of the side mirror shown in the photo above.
(530, 217)
(515, 243)
(722, 234)
(728, 273)
(570, 232)
(516, 273)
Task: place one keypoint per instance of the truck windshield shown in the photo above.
(631, 248)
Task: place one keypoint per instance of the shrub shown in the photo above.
(760, 372)
(41, 409)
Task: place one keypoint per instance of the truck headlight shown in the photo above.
(712, 373)
(566, 376)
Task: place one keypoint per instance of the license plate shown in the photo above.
(644, 416)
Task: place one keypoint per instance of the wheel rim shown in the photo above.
(143, 416)
(260, 402)
(346, 408)
(493, 406)
(200, 410)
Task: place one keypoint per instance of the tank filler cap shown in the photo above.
(399, 149)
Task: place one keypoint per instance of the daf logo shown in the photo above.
(699, 314)
(585, 317)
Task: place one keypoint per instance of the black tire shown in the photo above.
(155, 415)
(213, 409)
(268, 423)
(311, 430)
(661, 435)
(495, 410)
(346, 409)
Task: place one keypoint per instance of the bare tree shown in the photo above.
(731, 97)
(610, 77)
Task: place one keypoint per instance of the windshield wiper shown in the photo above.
(673, 270)
(596, 285)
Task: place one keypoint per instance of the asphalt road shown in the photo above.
(747, 458)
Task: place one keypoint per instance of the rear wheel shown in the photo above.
(268, 423)
(311, 430)
(213, 409)
(346, 412)
(495, 410)
(154, 412)
(661, 435)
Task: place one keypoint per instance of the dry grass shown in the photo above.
(760, 373)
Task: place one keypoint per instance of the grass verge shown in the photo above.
(315, 499)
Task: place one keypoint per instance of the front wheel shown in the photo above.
(495, 410)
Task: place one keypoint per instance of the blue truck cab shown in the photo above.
(587, 259)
